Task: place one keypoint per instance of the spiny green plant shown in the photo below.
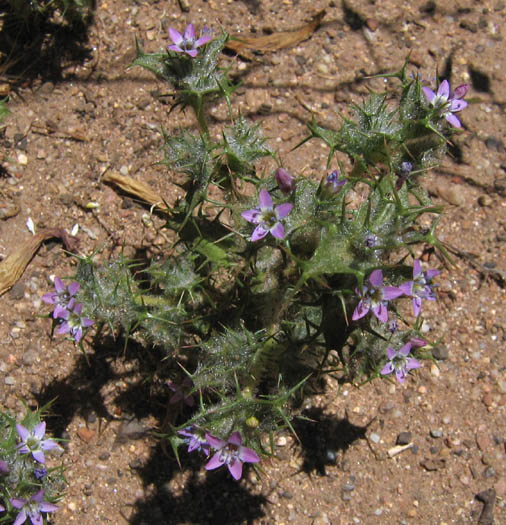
(273, 281)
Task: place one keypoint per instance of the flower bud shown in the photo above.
(285, 181)
(331, 184)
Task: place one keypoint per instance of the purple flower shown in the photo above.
(331, 184)
(267, 218)
(285, 181)
(4, 467)
(446, 101)
(187, 43)
(405, 170)
(371, 240)
(39, 473)
(196, 439)
(230, 453)
(73, 321)
(182, 392)
(399, 362)
(2, 508)
(375, 297)
(61, 297)
(32, 508)
(420, 287)
(31, 441)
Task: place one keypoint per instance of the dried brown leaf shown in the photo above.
(12, 268)
(136, 188)
(268, 43)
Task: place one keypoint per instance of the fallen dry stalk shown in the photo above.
(136, 188)
(276, 41)
(398, 449)
(12, 268)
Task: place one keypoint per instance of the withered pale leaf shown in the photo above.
(280, 40)
(136, 188)
(13, 266)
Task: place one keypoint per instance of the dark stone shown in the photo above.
(66, 199)
(487, 514)
(104, 456)
(500, 186)
(440, 353)
(300, 59)
(469, 26)
(17, 291)
(135, 463)
(493, 143)
(92, 417)
(286, 494)
(490, 264)
(404, 438)
(133, 429)
(429, 8)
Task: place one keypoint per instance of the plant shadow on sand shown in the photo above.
(37, 45)
(206, 497)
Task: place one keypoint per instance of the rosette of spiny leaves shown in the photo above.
(389, 129)
(195, 79)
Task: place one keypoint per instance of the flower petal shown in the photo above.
(176, 48)
(251, 215)
(23, 432)
(203, 40)
(283, 210)
(392, 292)
(387, 369)
(458, 105)
(175, 36)
(215, 462)
(417, 268)
(412, 363)
(258, 233)
(376, 278)
(192, 52)
(405, 349)
(215, 442)
(430, 274)
(278, 231)
(59, 285)
(400, 375)
(48, 444)
(429, 94)
(444, 89)
(381, 312)
(453, 120)
(39, 430)
(360, 311)
(49, 298)
(21, 517)
(235, 438)
(235, 468)
(45, 506)
(73, 288)
(38, 455)
(248, 455)
(265, 200)
(18, 503)
(189, 32)
(36, 519)
(407, 287)
(417, 306)
(391, 353)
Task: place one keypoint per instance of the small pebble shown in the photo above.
(404, 438)
(9, 380)
(375, 438)
(436, 433)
